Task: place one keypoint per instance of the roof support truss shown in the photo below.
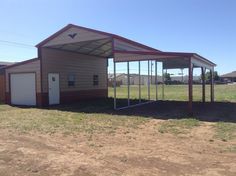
(100, 46)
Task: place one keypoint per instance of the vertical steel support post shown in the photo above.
(114, 84)
(148, 80)
(128, 83)
(212, 85)
(190, 87)
(151, 73)
(139, 81)
(203, 84)
(156, 79)
(163, 82)
(182, 73)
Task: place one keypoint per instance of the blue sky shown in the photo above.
(207, 27)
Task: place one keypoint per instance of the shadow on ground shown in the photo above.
(211, 112)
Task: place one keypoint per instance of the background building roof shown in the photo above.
(2, 64)
(229, 75)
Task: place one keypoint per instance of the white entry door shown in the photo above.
(23, 89)
(53, 88)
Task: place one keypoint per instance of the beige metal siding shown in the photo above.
(82, 66)
(80, 35)
(33, 66)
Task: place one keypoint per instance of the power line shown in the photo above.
(14, 57)
(17, 43)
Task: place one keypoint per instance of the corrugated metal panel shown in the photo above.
(82, 66)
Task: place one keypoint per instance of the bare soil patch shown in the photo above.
(142, 150)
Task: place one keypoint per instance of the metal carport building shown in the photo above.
(93, 45)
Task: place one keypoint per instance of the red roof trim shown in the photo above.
(156, 53)
(21, 63)
(96, 31)
(183, 54)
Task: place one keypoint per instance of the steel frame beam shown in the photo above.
(135, 105)
(139, 81)
(115, 106)
(156, 82)
(128, 84)
(163, 83)
(203, 84)
(148, 80)
(151, 72)
(212, 84)
(190, 87)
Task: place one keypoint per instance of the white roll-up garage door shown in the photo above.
(23, 89)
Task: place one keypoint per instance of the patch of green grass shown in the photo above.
(51, 121)
(231, 149)
(225, 131)
(176, 127)
(177, 92)
(4, 107)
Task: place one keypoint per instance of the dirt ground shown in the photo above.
(141, 151)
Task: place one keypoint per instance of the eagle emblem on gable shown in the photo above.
(72, 35)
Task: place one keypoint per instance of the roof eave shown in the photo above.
(20, 63)
(204, 59)
(96, 31)
(53, 35)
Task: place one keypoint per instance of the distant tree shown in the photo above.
(208, 76)
(167, 77)
(216, 76)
